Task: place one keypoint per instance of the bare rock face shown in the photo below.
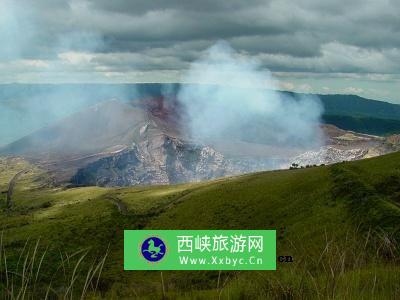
(344, 145)
(329, 155)
(159, 160)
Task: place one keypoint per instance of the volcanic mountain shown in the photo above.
(115, 143)
(121, 143)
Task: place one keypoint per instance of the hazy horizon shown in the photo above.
(392, 101)
(310, 47)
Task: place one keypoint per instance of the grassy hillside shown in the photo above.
(339, 223)
(356, 106)
(369, 125)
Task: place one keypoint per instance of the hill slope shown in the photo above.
(352, 105)
(351, 112)
(323, 216)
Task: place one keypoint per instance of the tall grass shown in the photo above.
(25, 277)
(350, 268)
(361, 265)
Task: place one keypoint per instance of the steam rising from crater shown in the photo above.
(233, 97)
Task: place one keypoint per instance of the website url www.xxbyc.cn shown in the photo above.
(225, 260)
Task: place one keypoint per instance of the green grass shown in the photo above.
(340, 224)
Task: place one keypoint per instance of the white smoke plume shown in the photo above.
(233, 97)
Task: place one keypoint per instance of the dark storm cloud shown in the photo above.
(306, 35)
(143, 6)
(360, 23)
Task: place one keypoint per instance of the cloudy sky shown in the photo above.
(341, 46)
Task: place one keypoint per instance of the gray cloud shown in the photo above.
(357, 36)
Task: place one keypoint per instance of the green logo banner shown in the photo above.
(200, 250)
